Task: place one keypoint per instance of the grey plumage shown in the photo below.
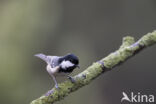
(54, 61)
(51, 60)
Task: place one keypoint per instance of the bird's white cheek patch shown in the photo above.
(66, 64)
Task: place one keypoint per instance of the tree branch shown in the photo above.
(128, 49)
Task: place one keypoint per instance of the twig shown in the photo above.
(128, 49)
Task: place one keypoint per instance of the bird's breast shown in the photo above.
(51, 70)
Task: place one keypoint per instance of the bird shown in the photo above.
(60, 65)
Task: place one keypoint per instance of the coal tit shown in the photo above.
(59, 65)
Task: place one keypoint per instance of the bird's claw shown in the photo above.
(56, 86)
(71, 79)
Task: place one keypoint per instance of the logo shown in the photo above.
(138, 97)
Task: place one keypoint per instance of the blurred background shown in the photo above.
(91, 29)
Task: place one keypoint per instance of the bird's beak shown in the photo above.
(78, 66)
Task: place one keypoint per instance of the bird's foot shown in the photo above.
(71, 79)
(56, 86)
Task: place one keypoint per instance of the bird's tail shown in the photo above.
(42, 56)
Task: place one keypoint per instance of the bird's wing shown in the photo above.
(54, 61)
(51, 60)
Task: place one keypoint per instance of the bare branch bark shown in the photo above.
(128, 49)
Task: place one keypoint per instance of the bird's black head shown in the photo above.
(68, 63)
(72, 58)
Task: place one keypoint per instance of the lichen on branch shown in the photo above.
(128, 49)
